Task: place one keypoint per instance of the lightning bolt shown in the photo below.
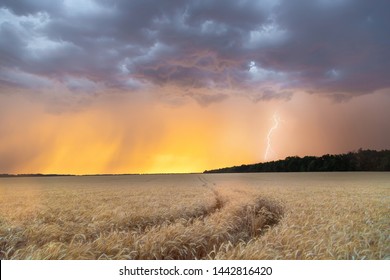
(276, 121)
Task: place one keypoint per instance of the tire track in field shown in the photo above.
(190, 217)
(233, 220)
(218, 200)
(144, 225)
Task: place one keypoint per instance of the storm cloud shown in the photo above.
(262, 49)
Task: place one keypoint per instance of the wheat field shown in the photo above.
(197, 216)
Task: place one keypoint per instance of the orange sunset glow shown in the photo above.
(136, 136)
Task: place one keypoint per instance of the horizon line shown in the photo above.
(4, 175)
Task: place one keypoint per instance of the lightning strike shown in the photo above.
(276, 121)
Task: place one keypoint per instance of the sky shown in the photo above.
(140, 86)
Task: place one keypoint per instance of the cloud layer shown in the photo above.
(262, 49)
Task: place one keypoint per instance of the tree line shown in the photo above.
(361, 160)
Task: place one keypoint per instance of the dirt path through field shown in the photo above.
(238, 216)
